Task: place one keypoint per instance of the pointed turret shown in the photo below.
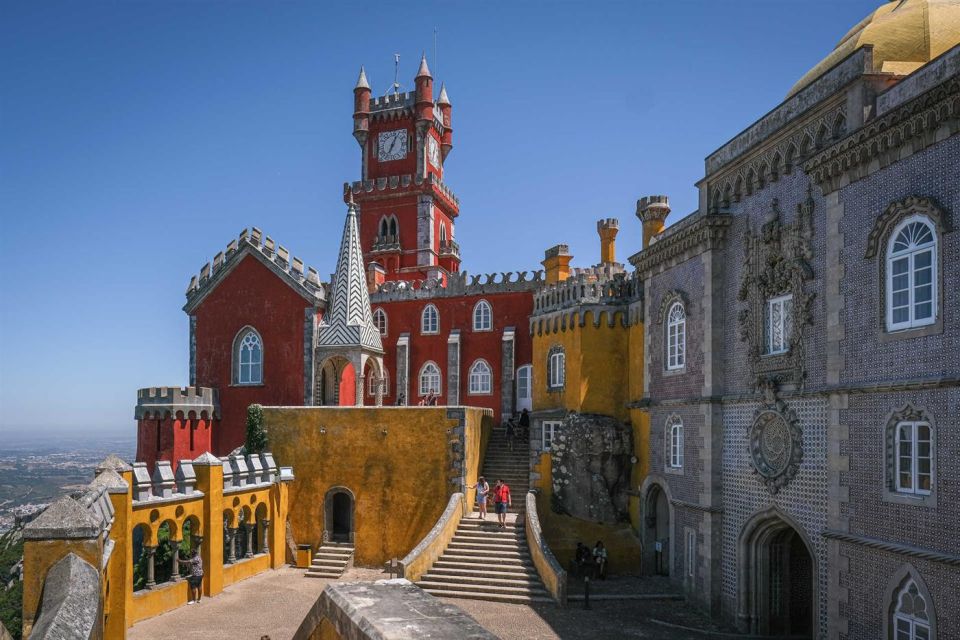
(362, 80)
(443, 99)
(424, 71)
(361, 109)
(446, 140)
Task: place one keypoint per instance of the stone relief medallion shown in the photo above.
(776, 445)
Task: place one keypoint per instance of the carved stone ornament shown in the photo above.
(776, 263)
(776, 442)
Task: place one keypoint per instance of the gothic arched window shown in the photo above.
(675, 442)
(380, 321)
(482, 316)
(676, 336)
(481, 378)
(430, 320)
(911, 618)
(248, 357)
(912, 274)
(429, 379)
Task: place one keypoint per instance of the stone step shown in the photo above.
(482, 581)
(332, 564)
(492, 597)
(322, 574)
(485, 560)
(492, 547)
(492, 589)
(480, 535)
(441, 567)
(323, 553)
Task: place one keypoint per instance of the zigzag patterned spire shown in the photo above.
(349, 322)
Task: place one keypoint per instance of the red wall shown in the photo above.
(180, 438)
(250, 295)
(509, 310)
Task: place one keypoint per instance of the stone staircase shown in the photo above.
(483, 561)
(331, 560)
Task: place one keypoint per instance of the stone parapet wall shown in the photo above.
(458, 284)
(160, 402)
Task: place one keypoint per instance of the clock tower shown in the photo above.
(407, 213)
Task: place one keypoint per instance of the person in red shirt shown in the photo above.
(501, 500)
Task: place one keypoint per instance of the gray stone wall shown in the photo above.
(685, 483)
(687, 280)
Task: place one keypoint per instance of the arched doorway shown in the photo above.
(338, 511)
(777, 585)
(657, 530)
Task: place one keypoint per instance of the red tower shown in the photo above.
(407, 213)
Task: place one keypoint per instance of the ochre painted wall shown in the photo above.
(397, 461)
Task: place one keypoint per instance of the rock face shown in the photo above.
(591, 468)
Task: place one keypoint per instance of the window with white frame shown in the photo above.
(430, 379)
(676, 336)
(248, 356)
(443, 234)
(481, 378)
(691, 553)
(482, 316)
(914, 458)
(380, 321)
(556, 368)
(911, 617)
(550, 428)
(675, 436)
(430, 320)
(912, 275)
(779, 324)
(525, 387)
(372, 383)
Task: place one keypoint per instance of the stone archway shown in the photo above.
(339, 506)
(657, 538)
(777, 581)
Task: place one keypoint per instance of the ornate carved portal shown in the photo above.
(775, 441)
(776, 264)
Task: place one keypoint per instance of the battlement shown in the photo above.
(158, 402)
(653, 207)
(239, 473)
(392, 101)
(390, 183)
(557, 250)
(608, 223)
(595, 285)
(277, 257)
(458, 284)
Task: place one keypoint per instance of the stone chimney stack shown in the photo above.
(653, 212)
(608, 228)
(556, 263)
(361, 109)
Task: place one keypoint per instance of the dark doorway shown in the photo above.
(342, 516)
(657, 540)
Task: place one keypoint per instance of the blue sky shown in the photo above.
(138, 138)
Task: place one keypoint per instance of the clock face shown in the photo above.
(392, 145)
(433, 151)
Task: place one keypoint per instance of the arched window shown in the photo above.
(380, 321)
(556, 368)
(914, 457)
(443, 234)
(430, 379)
(393, 227)
(481, 378)
(912, 274)
(430, 320)
(675, 442)
(676, 336)
(911, 616)
(482, 316)
(384, 228)
(248, 357)
(372, 383)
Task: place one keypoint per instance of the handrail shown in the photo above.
(421, 558)
(554, 577)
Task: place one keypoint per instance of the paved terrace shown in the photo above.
(274, 603)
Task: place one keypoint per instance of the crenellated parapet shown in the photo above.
(401, 183)
(275, 256)
(610, 296)
(155, 403)
(458, 284)
(256, 470)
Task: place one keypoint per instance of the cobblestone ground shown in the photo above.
(273, 603)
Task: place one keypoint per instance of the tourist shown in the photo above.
(524, 424)
(501, 501)
(510, 434)
(483, 488)
(600, 558)
(195, 578)
(401, 400)
(582, 557)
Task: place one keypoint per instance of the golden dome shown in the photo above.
(905, 34)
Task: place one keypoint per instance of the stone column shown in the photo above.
(151, 554)
(360, 389)
(402, 373)
(507, 373)
(379, 391)
(249, 526)
(232, 536)
(265, 532)
(175, 561)
(453, 368)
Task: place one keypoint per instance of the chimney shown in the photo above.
(376, 276)
(556, 263)
(653, 212)
(608, 228)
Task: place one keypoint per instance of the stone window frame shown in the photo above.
(529, 383)
(889, 258)
(477, 308)
(439, 374)
(546, 444)
(673, 421)
(476, 363)
(878, 243)
(667, 303)
(555, 355)
(768, 324)
(907, 413)
(681, 333)
(371, 379)
(690, 555)
(381, 321)
(907, 574)
(235, 358)
(432, 328)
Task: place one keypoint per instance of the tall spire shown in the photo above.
(349, 321)
(424, 69)
(362, 80)
(443, 99)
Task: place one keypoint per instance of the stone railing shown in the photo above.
(586, 287)
(386, 243)
(244, 472)
(390, 183)
(450, 248)
(164, 484)
(458, 284)
(421, 558)
(551, 573)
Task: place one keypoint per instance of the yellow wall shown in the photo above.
(397, 461)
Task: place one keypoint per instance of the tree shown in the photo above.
(256, 434)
